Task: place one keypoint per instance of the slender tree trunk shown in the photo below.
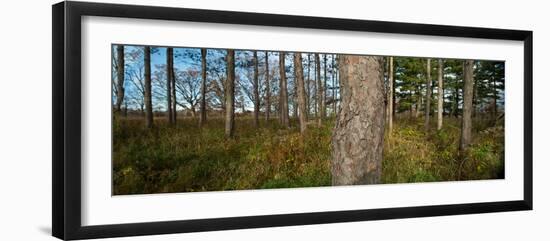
(283, 92)
(230, 95)
(466, 134)
(358, 137)
(411, 108)
(495, 98)
(315, 87)
(333, 76)
(474, 98)
(243, 110)
(169, 70)
(202, 119)
(319, 90)
(299, 77)
(390, 97)
(267, 87)
(147, 97)
(339, 91)
(120, 77)
(457, 98)
(418, 102)
(295, 100)
(174, 99)
(428, 95)
(308, 86)
(440, 91)
(324, 99)
(256, 92)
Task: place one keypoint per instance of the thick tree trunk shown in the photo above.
(466, 133)
(169, 76)
(358, 137)
(428, 95)
(267, 88)
(256, 92)
(319, 101)
(299, 76)
(390, 96)
(230, 95)
(120, 77)
(440, 91)
(147, 97)
(202, 119)
(283, 92)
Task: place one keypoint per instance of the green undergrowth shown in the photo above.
(185, 158)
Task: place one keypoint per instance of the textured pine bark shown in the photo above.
(120, 77)
(466, 133)
(358, 136)
(202, 118)
(230, 95)
(440, 91)
(299, 74)
(147, 97)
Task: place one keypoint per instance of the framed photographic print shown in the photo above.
(170, 120)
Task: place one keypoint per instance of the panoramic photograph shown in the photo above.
(188, 119)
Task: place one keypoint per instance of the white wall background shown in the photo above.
(25, 121)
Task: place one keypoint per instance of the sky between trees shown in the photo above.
(409, 75)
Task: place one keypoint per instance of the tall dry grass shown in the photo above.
(185, 158)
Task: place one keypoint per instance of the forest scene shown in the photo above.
(202, 119)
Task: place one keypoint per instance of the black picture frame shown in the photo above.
(66, 127)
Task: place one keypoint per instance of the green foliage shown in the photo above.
(411, 155)
(185, 158)
(410, 85)
(410, 77)
(485, 158)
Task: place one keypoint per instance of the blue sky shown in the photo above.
(191, 61)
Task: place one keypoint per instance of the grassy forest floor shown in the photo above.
(185, 158)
